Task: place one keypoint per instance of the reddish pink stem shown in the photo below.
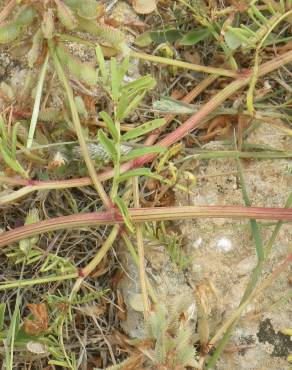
(145, 214)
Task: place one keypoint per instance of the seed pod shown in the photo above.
(81, 71)
(97, 152)
(66, 15)
(48, 25)
(36, 48)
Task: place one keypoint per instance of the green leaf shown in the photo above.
(144, 83)
(13, 164)
(132, 105)
(2, 315)
(125, 213)
(195, 36)
(115, 81)
(122, 106)
(143, 129)
(107, 144)
(14, 140)
(232, 40)
(110, 125)
(143, 171)
(166, 35)
(101, 63)
(142, 151)
(143, 40)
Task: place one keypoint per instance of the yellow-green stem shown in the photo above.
(185, 65)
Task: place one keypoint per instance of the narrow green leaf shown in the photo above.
(14, 140)
(110, 125)
(2, 315)
(101, 63)
(13, 164)
(143, 171)
(133, 105)
(142, 151)
(143, 129)
(122, 106)
(107, 144)
(115, 82)
(3, 131)
(144, 83)
(125, 213)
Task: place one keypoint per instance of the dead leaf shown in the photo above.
(41, 320)
(144, 6)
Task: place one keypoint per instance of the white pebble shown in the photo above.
(224, 244)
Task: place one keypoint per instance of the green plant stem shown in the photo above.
(144, 215)
(75, 118)
(185, 65)
(96, 259)
(36, 281)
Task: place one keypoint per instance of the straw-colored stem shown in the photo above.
(141, 254)
(185, 65)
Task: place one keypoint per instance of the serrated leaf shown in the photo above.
(107, 144)
(110, 125)
(142, 151)
(124, 212)
(195, 36)
(143, 129)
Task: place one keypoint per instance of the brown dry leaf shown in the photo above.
(144, 6)
(41, 320)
